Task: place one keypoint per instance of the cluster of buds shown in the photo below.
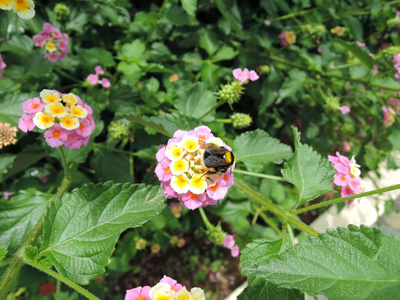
(2, 66)
(221, 238)
(287, 38)
(315, 31)
(240, 120)
(62, 13)
(119, 129)
(338, 30)
(54, 42)
(332, 103)
(347, 175)
(389, 112)
(93, 79)
(183, 174)
(25, 9)
(8, 135)
(389, 52)
(64, 117)
(166, 289)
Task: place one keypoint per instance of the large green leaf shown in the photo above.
(166, 124)
(3, 253)
(189, 6)
(257, 148)
(11, 108)
(19, 215)
(19, 44)
(196, 100)
(308, 171)
(347, 263)
(81, 228)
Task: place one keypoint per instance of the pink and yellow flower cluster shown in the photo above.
(347, 175)
(64, 117)
(25, 9)
(53, 41)
(389, 112)
(183, 174)
(287, 38)
(166, 289)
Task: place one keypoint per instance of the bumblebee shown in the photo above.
(217, 159)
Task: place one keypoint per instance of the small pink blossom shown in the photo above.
(99, 70)
(235, 251)
(346, 146)
(7, 195)
(33, 105)
(376, 70)
(73, 141)
(105, 82)
(53, 41)
(344, 109)
(141, 293)
(361, 44)
(2, 66)
(229, 241)
(47, 27)
(241, 75)
(253, 76)
(171, 282)
(93, 79)
(25, 123)
(55, 136)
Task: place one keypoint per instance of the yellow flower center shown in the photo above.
(46, 119)
(50, 47)
(21, 5)
(182, 181)
(163, 297)
(51, 99)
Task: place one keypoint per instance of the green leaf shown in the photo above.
(82, 228)
(308, 171)
(257, 148)
(195, 100)
(208, 41)
(347, 263)
(177, 16)
(166, 124)
(22, 161)
(11, 108)
(19, 44)
(225, 53)
(6, 163)
(3, 253)
(95, 56)
(19, 215)
(394, 139)
(189, 6)
(210, 75)
(133, 51)
(358, 52)
(110, 165)
(292, 84)
(131, 71)
(230, 11)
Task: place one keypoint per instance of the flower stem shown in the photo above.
(61, 278)
(343, 199)
(258, 175)
(219, 103)
(205, 219)
(285, 216)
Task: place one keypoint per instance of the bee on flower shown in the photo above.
(67, 121)
(195, 167)
(53, 41)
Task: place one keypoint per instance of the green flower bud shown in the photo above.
(240, 120)
(332, 103)
(62, 13)
(265, 69)
(392, 22)
(230, 92)
(216, 235)
(388, 52)
(119, 129)
(315, 31)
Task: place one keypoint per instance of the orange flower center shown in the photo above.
(56, 134)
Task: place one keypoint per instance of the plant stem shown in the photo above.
(205, 219)
(285, 216)
(258, 175)
(269, 222)
(343, 199)
(61, 278)
(219, 103)
(295, 14)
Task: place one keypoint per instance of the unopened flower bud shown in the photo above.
(141, 244)
(216, 235)
(231, 92)
(119, 129)
(181, 242)
(332, 103)
(62, 13)
(240, 120)
(7, 135)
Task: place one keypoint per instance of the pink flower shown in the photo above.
(33, 105)
(7, 195)
(253, 76)
(287, 38)
(376, 70)
(47, 27)
(393, 103)
(162, 170)
(342, 179)
(139, 293)
(218, 190)
(360, 44)
(53, 41)
(85, 128)
(347, 191)
(235, 251)
(346, 146)
(55, 32)
(396, 58)
(53, 57)
(39, 40)
(93, 79)
(2, 66)
(73, 141)
(241, 75)
(105, 82)
(229, 241)
(344, 109)
(99, 70)
(56, 136)
(25, 123)
(172, 283)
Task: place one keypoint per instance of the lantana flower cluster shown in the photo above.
(94, 78)
(287, 38)
(182, 173)
(64, 117)
(8, 135)
(2, 66)
(53, 41)
(25, 9)
(389, 112)
(347, 175)
(166, 289)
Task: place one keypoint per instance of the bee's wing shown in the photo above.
(214, 162)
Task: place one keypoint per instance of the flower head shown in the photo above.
(53, 41)
(183, 173)
(64, 117)
(344, 109)
(287, 38)
(139, 293)
(245, 75)
(8, 135)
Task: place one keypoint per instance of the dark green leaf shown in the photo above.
(19, 44)
(11, 108)
(19, 215)
(208, 41)
(257, 148)
(6, 163)
(225, 53)
(3, 252)
(95, 56)
(292, 84)
(230, 11)
(81, 228)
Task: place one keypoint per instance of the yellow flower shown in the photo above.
(49, 96)
(79, 111)
(174, 151)
(183, 294)
(155, 248)
(6, 4)
(43, 120)
(51, 47)
(190, 143)
(69, 122)
(198, 184)
(179, 166)
(180, 184)
(25, 9)
(70, 99)
(56, 109)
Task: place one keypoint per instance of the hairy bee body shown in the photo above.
(217, 159)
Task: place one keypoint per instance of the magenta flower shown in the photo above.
(241, 75)
(171, 282)
(388, 116)
(183, 174)
(139, 293)
(33, 105)
(253, 76)
(235, 251)
(360, 44)
(2, 66)
(93, 79)
(344, 109)
(53, 41)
